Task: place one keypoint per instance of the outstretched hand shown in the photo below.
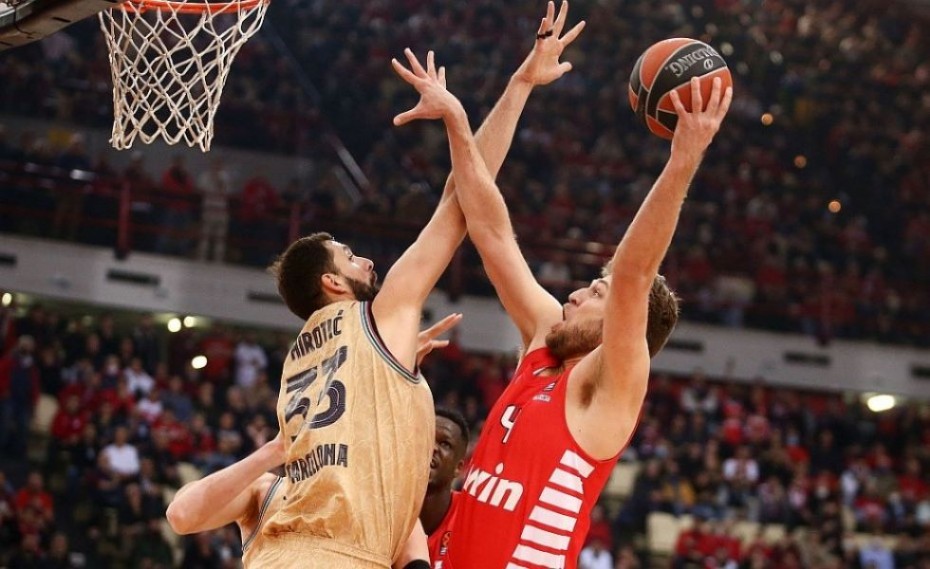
(696, 128)
(426, 340)
(542, 65)
(435, 101)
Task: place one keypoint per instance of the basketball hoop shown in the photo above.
(169, 61)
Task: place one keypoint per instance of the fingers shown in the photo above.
(564, 67)
(404, 73)
(560, 19)
(676, 102)
(543, 25)
(725, 104)
(431, 63)
(568, 38)
(414, 63)
(442, 76)
(697, 100)
(714, 103)
(439, 344)
(550, 16)
(443, 326)
(407, 116)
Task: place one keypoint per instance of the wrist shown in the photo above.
(521, 80)
(685, 158)
(456, 116)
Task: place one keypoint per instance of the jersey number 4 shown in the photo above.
(508, 420)
(333, 390)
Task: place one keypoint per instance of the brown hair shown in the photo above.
(663, 312)
(298, 273)
(663, 315)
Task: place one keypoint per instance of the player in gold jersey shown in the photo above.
(247, 494)
(356, 415)
(353, 411)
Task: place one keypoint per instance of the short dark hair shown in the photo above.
(458, 419)
(663, 312)
(298, 273)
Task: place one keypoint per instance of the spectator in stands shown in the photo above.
(595, 556)
(876, 555)
(75, 171)
(34, 495)
(694, 545)
(69, 422)
(215, 188)
(698, 396)
(110, 339)
(59, 555)
(219, 350)
(177, 213)
(19, 395)
(150, 549)
(258, 215)
(200, 552)
(145, 340)
(138, 381)
(177, 400)
(250, 361)
(121, 456)
(151, 407)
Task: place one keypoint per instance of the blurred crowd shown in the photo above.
(133, 413)
(727, 453)
(808, 216)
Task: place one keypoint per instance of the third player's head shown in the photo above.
(317, 270)
(580, 330)
(449, 452)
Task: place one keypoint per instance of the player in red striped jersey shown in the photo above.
(551, 440)
(438, 512)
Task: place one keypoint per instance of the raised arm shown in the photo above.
(619, 369)
(226, 496)
(532, 309)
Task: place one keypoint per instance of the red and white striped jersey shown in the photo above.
(438, 541)
(529, 488)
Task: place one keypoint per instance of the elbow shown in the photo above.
(179, 520)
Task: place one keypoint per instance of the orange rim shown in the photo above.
(141, 6)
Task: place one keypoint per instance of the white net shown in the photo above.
(169, 62)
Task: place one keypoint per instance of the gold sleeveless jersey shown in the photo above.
(362, 433)
(274, 498)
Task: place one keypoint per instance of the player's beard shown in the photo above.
(577, 340)
(364, 292)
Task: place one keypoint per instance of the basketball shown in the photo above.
(669, 66)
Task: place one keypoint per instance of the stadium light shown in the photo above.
(879, 402)
(199, 362)
(189, 322)
(174, 325)
(7, 299)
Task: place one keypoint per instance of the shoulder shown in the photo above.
(535, 359)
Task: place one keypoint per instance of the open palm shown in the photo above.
(435, 101)
(542, 65)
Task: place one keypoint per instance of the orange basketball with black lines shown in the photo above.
(669, 66)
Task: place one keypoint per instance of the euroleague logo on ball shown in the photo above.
(684, 63)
